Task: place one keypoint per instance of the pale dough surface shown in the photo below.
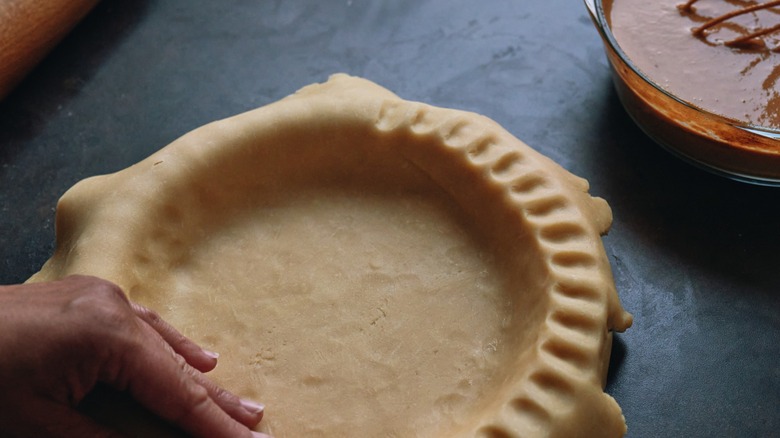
(347, 313)
(367, 267)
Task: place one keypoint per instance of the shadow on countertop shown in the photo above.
(61, 75)
(695, 260)
(725, 227)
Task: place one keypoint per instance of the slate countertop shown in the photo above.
(695, 256)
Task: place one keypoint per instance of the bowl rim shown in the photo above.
(766, 135)
(596, 10)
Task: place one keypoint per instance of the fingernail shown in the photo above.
(260, 435)
(253, 408)
(211, 354)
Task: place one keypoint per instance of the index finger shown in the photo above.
(196, 356)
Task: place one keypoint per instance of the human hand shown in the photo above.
(58, 340)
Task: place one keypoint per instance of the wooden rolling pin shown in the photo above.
(29, 29)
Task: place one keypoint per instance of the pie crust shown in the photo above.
(367, 266)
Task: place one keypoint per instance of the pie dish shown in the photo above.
(367, 266)
(707, 121)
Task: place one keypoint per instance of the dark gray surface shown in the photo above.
(695, 257)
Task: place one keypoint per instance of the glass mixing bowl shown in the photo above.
(727, 147)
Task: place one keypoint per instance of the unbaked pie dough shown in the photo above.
(367, 267)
